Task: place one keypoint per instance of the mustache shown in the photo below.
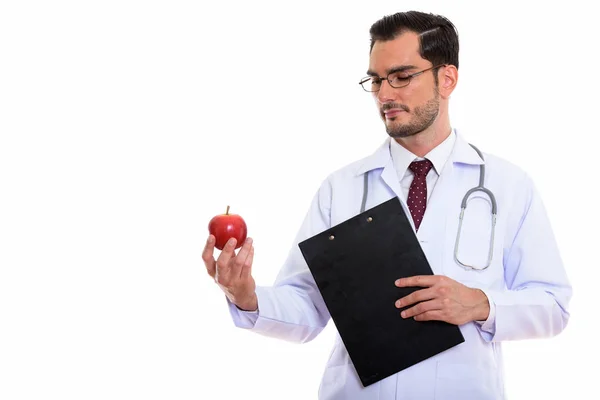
(389, 106)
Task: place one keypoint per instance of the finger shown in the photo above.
(208, 256)
(226, 254)
(424, 307)
(247, 269)
(435, 315)
(415, 297)
(418, 281)
(240, 259)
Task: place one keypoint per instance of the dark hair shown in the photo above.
(438, 37)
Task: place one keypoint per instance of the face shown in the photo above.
(409, 110)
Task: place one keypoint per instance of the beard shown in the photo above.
(423, 118)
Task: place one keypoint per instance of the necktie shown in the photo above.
(417, 195)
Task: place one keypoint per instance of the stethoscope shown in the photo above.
(463, 207)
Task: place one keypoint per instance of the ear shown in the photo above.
(447, 78)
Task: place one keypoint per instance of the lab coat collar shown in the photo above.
(462, 153)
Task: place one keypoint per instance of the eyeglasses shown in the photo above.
(396, 79)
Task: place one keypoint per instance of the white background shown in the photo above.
(126, 125)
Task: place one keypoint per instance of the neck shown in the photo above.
(425, 141)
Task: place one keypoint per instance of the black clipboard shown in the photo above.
(355, 265)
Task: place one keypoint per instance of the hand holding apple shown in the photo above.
(226, 226)
(233, 272)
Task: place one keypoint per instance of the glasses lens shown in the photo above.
(398, 80)
(370, 85)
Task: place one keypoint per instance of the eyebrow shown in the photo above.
(401, 68)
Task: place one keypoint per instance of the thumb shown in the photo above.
(208, 256)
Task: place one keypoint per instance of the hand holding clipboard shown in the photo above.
(355, 265)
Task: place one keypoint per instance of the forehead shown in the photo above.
(403, 50)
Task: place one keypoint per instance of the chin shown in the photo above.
(397, 134)
(401, 131)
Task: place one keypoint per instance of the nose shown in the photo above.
(386, 92)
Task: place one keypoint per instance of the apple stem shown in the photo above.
(227, 212)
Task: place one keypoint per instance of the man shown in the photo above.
(522, 292)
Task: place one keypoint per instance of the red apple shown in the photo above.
(226, 226)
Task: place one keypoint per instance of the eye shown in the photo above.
(399, 79)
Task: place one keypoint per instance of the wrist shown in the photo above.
(481, 311)
(248, 305)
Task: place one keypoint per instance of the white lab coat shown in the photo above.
(526, 282)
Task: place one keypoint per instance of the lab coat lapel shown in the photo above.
(432, 231)
(433, 228)
(445, 188)
(382, 158)
(390, 177)
(434, 217)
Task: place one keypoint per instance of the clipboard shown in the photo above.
(355, 265)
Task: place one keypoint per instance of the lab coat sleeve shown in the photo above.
(293, 308)
(537, 295)
(241, 318)
(489, 324)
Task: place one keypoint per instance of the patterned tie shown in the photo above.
(417, 195)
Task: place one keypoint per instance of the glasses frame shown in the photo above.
(387, 78)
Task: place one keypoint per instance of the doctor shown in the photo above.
(522, 292)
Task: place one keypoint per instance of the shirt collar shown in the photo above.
(460, 152)
(438, 156)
